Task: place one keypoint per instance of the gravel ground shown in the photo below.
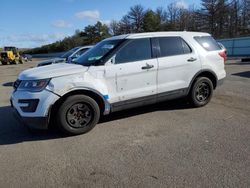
(163, 145)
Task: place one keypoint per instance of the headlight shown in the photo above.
(33, 85)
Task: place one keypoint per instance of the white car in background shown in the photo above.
(68, 56)
(121, 72)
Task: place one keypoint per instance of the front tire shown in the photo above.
(78, 115)
(201, 92)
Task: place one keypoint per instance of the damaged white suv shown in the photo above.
(119, 73)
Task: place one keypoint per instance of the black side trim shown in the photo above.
(132, 103)
(147, 100)
(172, 95)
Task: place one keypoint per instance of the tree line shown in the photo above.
(221, 18)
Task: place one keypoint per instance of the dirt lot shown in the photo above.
(164, 145)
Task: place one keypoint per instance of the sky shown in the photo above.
(32, 23)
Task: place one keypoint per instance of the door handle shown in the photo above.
(147, 67)
(191, 59)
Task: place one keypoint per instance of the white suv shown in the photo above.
(119, 73)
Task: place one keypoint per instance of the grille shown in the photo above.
(16, 84)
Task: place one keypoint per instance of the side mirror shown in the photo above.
(112, 60)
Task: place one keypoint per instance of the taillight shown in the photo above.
(223, 54)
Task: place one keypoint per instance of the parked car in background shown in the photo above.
(27, 57)
(121, 72)
(68, 56)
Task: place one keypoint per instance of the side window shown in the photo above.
(170, 46)
(134, 50)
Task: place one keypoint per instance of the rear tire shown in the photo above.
(201, 92)
(78, 115)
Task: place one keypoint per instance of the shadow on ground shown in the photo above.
(179, 104)
(8, 64)
(245, 74)
(8, 84)
(13, 131)
(239, 63)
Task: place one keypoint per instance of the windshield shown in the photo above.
(98, 52)
(70, 52)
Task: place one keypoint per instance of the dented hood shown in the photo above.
(51, 71)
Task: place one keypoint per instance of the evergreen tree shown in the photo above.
(151, 21)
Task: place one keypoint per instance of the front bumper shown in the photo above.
(41, 123)
(39, 117)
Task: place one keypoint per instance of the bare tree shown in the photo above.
(114, 27)
(161, 14)
(233, 19)
(136, 15)
(245, 17)
(183, 19)
(172, 12)
(192, 24)
(208, 13)
(125, 25)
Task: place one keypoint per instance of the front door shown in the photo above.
(132, 75)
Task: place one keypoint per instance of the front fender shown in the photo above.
(103, 98)
(80, 83)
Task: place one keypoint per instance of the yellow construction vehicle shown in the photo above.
(10, 55)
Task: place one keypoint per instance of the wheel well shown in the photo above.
(207, 74)
(91, 94)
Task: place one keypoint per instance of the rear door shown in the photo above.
(178, 63)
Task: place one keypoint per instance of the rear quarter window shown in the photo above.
(208, 43)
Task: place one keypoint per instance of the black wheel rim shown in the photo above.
(79, 115)
(202, 92)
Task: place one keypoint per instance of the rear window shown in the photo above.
(208, 43)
